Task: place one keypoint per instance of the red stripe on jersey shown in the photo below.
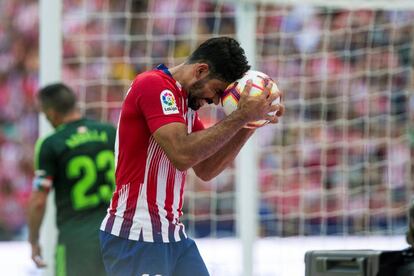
(112, 210)
(130, 210)
(169, 201)
(180, 206)
(152, 193)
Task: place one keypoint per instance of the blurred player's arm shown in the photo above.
(215, 164)
(37, 207)
(186, 150)
(44, 163)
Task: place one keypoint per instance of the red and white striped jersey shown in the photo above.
(148, 199)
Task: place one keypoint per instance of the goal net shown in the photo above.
(339, 161)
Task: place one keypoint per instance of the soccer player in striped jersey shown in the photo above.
(160, 137)
(77, 161)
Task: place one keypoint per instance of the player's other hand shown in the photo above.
(37, 256)
(256, 108)
(280, 109)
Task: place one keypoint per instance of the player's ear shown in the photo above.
(201, 70)
(38, 105)
(51, 115)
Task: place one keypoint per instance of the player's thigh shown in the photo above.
(125, 257)
(79, 259)
(190, 262)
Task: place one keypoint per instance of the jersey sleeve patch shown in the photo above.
(41, 182)
(168, 102)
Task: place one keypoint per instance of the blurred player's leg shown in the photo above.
(85, 259)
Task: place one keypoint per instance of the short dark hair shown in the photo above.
(58, 97)
(225, 57)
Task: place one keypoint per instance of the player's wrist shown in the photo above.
(241, 116)
(33, 241)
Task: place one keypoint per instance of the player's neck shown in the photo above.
(179, 73)
(71, 117)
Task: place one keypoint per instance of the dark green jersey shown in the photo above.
(77, 161)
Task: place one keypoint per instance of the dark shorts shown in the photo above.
(126, 257)
(79, 259)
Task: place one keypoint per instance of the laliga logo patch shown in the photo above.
(168, 103)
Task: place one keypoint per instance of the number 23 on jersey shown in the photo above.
(86, 170)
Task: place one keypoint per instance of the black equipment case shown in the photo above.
(359, 263)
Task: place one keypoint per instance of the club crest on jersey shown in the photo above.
(168, 103)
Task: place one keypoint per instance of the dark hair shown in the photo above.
(224, 56)
(58, 97)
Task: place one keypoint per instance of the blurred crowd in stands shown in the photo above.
(338, 163)
(18, 116)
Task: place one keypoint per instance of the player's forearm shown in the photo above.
(35, 218)
(187, 150)
(215, 164)
(199, 146)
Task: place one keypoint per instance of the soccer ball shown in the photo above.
(231, 95)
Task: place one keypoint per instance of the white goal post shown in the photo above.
(50, 68)
(247, 160)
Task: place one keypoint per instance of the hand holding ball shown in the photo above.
(231, 96)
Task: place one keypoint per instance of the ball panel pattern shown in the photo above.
(231, 95)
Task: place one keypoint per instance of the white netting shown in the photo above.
(339, 161)
(341, 164)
